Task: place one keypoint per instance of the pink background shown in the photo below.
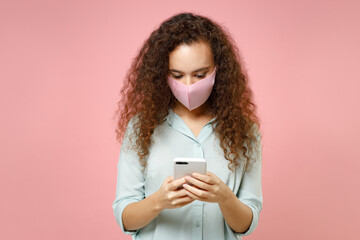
(61, 67)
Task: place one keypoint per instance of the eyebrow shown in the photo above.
(173, 70)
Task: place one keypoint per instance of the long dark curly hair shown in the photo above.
(146, 94)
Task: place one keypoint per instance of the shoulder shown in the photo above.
(256, 130)
(256, 136)
(132, 123)
(129, 133)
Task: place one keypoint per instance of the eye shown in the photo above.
(201, 76)
(197, 75)
(177, 76)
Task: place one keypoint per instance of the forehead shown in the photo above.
(187, 58)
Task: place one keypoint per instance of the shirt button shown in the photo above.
(198, 145)
(197, 224)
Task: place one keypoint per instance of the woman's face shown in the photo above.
(191, 63)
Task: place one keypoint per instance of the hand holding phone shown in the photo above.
(186, 166)
(168, 196)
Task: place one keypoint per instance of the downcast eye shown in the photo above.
(197, 75)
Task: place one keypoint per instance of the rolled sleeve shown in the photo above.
(130, 180)
(118, 210)
(250, 191)
(255, 204)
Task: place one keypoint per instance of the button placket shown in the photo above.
(197, 220)
(198, 150)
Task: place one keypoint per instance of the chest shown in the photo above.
(170, 142)
(196, 126)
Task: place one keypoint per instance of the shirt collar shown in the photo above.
(177, 123)
(172, 116)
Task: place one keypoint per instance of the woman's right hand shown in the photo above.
(169, 197)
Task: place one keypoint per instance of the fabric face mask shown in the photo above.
(194, 95)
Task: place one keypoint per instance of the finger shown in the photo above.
(198, 192)
(198, 183)
(205, 178)
(210, 173)
(193, 196)
(182, 200)
(176, 183)
(169, 179)
(174, 195)
(186, 203)
(180, 193)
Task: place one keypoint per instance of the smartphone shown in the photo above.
(186, 166)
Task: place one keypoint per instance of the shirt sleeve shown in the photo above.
(130, 179)
(250, 191)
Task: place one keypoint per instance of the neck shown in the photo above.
(182, 111)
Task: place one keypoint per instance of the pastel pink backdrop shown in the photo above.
(62, 64)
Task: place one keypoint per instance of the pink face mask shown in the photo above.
(194, 95)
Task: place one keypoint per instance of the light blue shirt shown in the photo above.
(197, 220)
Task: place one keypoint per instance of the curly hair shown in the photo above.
(145, 93)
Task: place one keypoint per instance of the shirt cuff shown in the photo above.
(118, 211)
(254, 222)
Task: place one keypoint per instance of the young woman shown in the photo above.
(187, 95)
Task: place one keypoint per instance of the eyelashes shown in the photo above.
(199, 76)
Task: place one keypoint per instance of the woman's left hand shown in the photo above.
(207, 188)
